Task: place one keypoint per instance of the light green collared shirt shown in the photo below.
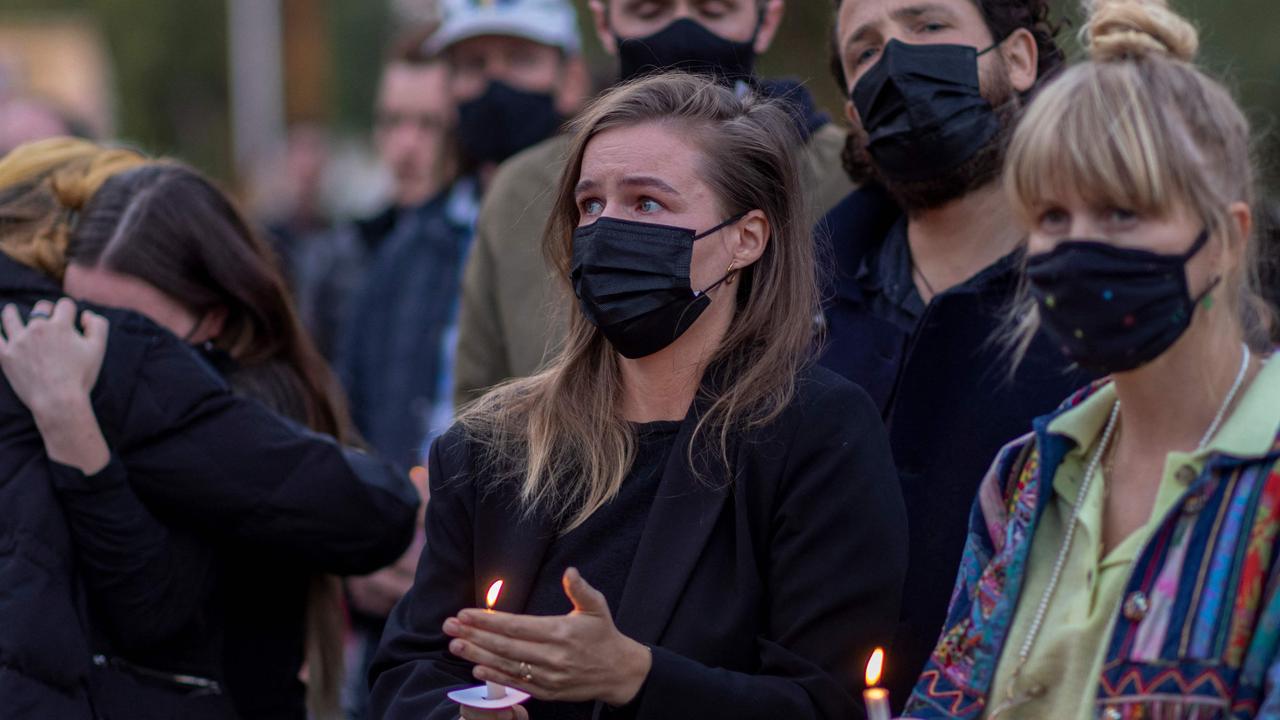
(1060, 679)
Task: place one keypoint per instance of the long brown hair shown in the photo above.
(167, 225)
(560, 433)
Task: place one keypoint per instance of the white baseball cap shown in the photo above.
(550, 22)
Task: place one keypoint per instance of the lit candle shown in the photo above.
(876, 698)
(494, 691)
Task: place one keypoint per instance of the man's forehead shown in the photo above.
(413, 83)
(693, 4)
(483, 44)
(856, 13)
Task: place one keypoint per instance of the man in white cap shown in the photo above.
(517, 74)
(506, 325)
(503, 75)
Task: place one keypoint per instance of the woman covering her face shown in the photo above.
(198, 520)
(689, 520)
(1122, 557)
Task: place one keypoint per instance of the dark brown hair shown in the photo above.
(168, 226)
(165, 224)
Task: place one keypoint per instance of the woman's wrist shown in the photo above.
(636, 663)
(71, 433)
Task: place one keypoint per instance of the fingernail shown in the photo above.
(457, 647)
(451, 626)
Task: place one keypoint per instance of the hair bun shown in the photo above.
(74, 184)
(1129, 29)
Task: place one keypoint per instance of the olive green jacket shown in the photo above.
(513, 312)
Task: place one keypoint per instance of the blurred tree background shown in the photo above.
(170, 65)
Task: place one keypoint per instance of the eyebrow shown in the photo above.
(642, 181)
(910, 12)
(646, 181)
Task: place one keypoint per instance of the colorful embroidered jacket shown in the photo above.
(1198, 630)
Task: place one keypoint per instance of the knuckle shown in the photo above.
(561, 659)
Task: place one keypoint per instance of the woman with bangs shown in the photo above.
(1122, 556)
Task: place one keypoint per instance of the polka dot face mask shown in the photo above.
(1113, 309)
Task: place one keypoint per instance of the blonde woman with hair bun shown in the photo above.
(1122, 555)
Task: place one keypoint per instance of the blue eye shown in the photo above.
(1121, 214)
(649, 205)
(591, 207)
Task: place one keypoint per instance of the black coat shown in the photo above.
(99, 572)
(761, 595)
(949, 402)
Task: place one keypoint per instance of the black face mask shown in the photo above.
(503, 121)
(686, 45)
(632, 282)
(922, 109)
(1113, 309)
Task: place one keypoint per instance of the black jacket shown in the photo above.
(949, 402)
(91, 574)
(761, 595)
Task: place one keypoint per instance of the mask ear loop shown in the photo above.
(995, 44)
(727, 273)
(722, 225)
(755, 34)
(1201, 240)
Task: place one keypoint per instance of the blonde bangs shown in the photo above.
(1092, 134)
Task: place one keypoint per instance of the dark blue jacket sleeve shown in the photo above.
(148, 582)
(228, 467)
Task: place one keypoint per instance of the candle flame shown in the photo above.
(874, 667)
(491, 597)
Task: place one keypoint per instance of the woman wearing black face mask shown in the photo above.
(1121, 557)
(689, 520)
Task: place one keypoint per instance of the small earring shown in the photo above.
(728, 273)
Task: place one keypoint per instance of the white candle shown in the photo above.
(877, 702)
(875, 698)
(494, 691)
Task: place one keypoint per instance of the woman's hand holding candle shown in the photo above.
(571, 658)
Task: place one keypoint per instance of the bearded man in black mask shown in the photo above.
(927, 256)
(506, 327)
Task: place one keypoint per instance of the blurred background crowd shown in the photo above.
(276, 98)
(318, 115)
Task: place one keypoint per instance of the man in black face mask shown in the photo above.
(927, 256)
(505, 329)
(517, 74)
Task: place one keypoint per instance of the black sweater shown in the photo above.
(761, 593)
